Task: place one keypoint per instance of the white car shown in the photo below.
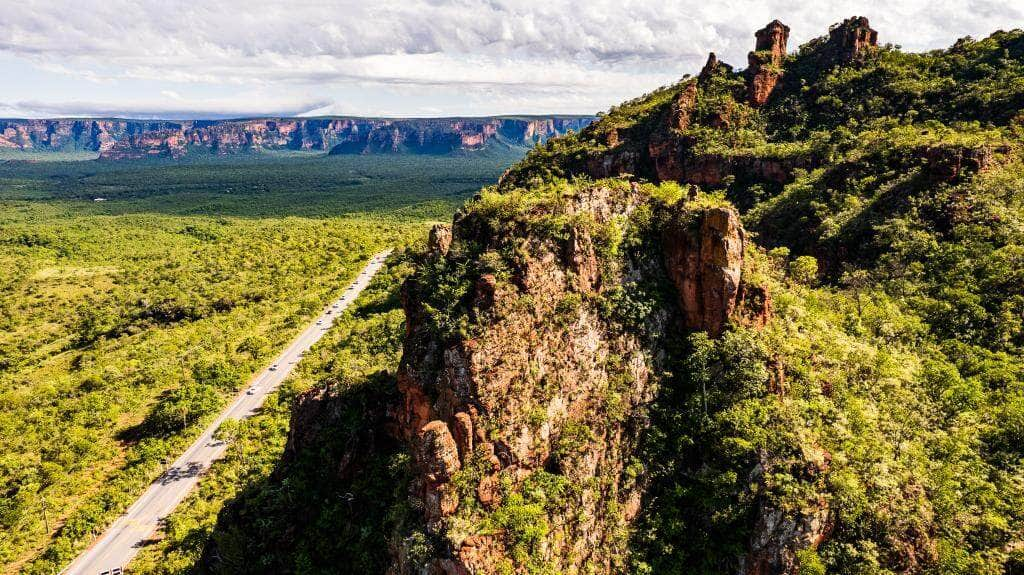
(251, 391)
(319, 321)
(273, 367)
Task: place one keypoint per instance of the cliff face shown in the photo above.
(443, 136)
(538, 404)
(514, 404)
(705, 262)
(765, 62)
(133, 139)
(69, 134)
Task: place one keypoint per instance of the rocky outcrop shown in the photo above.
(539, 388)
(712, 67)
(704, 258)
(765, 63)
(439, 240)
(852, 39)
(520, 397)
(438, 458)
(681, 114)
(779, 534)
(668, 153)
(772, 39)
(133, 139)
(947, 164)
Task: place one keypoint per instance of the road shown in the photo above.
(124, 538)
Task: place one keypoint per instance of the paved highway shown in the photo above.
(123, 539)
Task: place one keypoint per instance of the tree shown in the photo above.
(804, 270)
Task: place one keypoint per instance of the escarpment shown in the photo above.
(135, 139)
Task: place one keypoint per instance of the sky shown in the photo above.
(408, 58)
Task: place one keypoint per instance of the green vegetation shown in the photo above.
(126, 323)
(320, 517)
(870, 410)
(885, 199)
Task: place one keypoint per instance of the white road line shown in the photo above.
(124, 538)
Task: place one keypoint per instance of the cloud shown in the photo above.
(169, 106)
(517, 51)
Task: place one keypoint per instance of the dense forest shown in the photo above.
(137, 298)
(758, 321)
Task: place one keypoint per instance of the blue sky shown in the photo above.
(177, 59)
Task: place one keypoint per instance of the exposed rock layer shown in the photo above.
(132, 139)
(765, 62)
(704, 258)
(512, 401)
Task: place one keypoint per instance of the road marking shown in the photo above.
(124, 538)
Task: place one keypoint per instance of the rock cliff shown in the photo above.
(513, 404)
(765, 62)
(538, 402)
(133, 139)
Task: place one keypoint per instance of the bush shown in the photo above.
(804, 270)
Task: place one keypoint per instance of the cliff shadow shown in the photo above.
(338, 492)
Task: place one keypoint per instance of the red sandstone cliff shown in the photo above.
(527, 393)
(133, 139)
(765, 62)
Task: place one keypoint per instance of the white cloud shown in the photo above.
(167, 106)
(516, 52)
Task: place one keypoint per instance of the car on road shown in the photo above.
(328, 312)
(319, 321)
(273, 367)
(251, 391)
